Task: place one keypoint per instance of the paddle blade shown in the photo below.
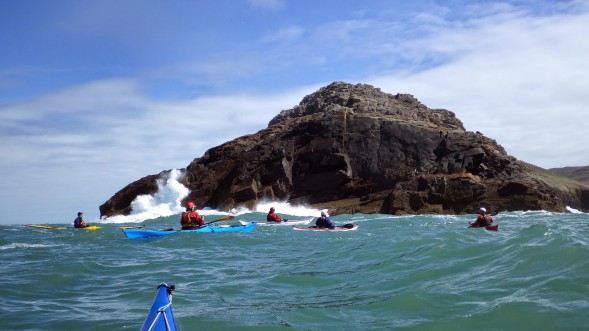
(225, 219)
(221, 219)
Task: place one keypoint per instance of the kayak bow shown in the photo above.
(160, 316)
(91, 227)
(140, 233)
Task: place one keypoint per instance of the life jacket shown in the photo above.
(191, 220)
(488, 219)
(484, 220)
(272, 217)
(321, 222)
(79, 223)
(187, 219)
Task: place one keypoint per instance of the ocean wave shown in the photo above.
(21, 245)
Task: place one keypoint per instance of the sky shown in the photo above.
(97, 94)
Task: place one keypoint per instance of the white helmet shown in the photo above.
(323, 214)
(483, 210)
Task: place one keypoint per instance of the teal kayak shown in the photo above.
(160, 316)
(140, 233)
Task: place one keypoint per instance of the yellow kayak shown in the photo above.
(46, 227)
(91, 227)
(53, 227)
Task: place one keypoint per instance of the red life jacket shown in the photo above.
(484, 220)
(191, 219)
(272, 217)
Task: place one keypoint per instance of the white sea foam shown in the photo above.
(21, 245)
(283, 208)
(574, 211)
(167, 201)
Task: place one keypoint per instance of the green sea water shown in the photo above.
(393, 273)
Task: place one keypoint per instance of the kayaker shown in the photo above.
(79, 221)
(483, 219)
(190, 218)
(324, 221)
(272, 217)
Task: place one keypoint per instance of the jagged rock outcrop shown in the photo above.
(353, 148)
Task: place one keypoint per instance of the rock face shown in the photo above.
(352, 148)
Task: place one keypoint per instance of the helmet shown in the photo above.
(190, 204)
(483, 210)
(324, 214)
(271, 209)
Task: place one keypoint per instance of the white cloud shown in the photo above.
(521, 81)
(114, 135)
(288, 34)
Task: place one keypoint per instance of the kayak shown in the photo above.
(140, 233)
(488, 227)
(303, 221)
(340, 228)
(52, 227)
(160, 316)
(91, 227)
(132, 227)
(45, 227)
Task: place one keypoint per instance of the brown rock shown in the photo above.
(352, 148)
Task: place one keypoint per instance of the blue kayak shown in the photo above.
(161, 317)
(140, 233)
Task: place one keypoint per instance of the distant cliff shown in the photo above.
(353, 148)
(580, 174)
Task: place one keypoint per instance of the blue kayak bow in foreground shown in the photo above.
(161, 317)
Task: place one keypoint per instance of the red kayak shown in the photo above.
(488, 227)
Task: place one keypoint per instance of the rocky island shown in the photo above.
(353, 148)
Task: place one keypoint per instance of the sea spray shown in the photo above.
(165, 202)
(283, 208)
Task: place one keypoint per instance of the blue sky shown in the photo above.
(97, 94)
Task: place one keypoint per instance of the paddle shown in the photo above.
(219, 220)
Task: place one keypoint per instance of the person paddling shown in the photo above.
(324, 222)
(79, 221)
(190, 218)
(272, 217)
(483, 219)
